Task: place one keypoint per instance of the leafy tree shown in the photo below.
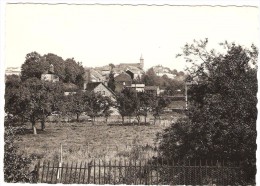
(146, 102)
(127, 103)
(33, 100)
(58, 64)
(149, 78)
(74, 72)
(158, 105)
(221, 120)
(75, 104)
(96, 104)
(33, 66)
(107, 106)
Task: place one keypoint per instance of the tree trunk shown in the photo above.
(43, 124)
(77, 117)
(138, 119)
(93, 120)
(154, 120)
(34, 127)
(123, 120)
(144, 119)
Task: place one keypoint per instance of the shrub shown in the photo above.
(16, 167)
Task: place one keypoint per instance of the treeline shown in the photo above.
(170, 86)
(33, 100)
(68, 71)
(30, 99)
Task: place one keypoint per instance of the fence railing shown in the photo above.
(138, 173)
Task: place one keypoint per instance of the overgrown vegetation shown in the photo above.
(221, 120)
(16, 165)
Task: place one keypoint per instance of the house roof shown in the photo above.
(123, 77)
(151, 87)
(92, 85)
(124, 65)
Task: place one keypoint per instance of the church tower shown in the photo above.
(141, 62)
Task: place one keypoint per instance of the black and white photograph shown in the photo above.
(129, 93)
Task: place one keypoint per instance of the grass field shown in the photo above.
(82, 141)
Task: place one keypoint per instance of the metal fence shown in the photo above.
(139, 173)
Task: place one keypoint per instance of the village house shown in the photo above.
(49, 75)
(137, 87)
(121, 81)
(162, 71)
(102, 89)
(101, 74)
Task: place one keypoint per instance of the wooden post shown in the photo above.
(79, 172)
(70, 172)
(75, 173)
(84, 173)
(60, 164)
(66, 173)
(47, 172)
(43, 166)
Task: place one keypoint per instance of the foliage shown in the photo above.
(16, 166)
(32, 100)
(74, 72)
(127, 103)
(96, 105)
(164, 82)
(69, 71)
(75, 104)
(58, 64)
(158, 105)
(221, 120)
(34, 66)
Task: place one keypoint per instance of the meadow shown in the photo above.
(82, 141)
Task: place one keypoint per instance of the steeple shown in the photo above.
(141, 61)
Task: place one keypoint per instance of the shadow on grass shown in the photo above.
(130, 124)
(26, 131)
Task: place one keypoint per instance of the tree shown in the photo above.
(33, 100)
(157, 107)
(127, 103)
(75, 104)
(96, 104)
(146, 102)
(74, 72)
(33, 66)
(149, 78)
(107, 106)
(58, 64)
(221, 120)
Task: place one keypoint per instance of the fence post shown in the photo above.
(85, 167)
(89, 171)
(60, 164)
(80, 172)
(47, 172)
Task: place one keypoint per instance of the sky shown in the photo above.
(97, 35)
